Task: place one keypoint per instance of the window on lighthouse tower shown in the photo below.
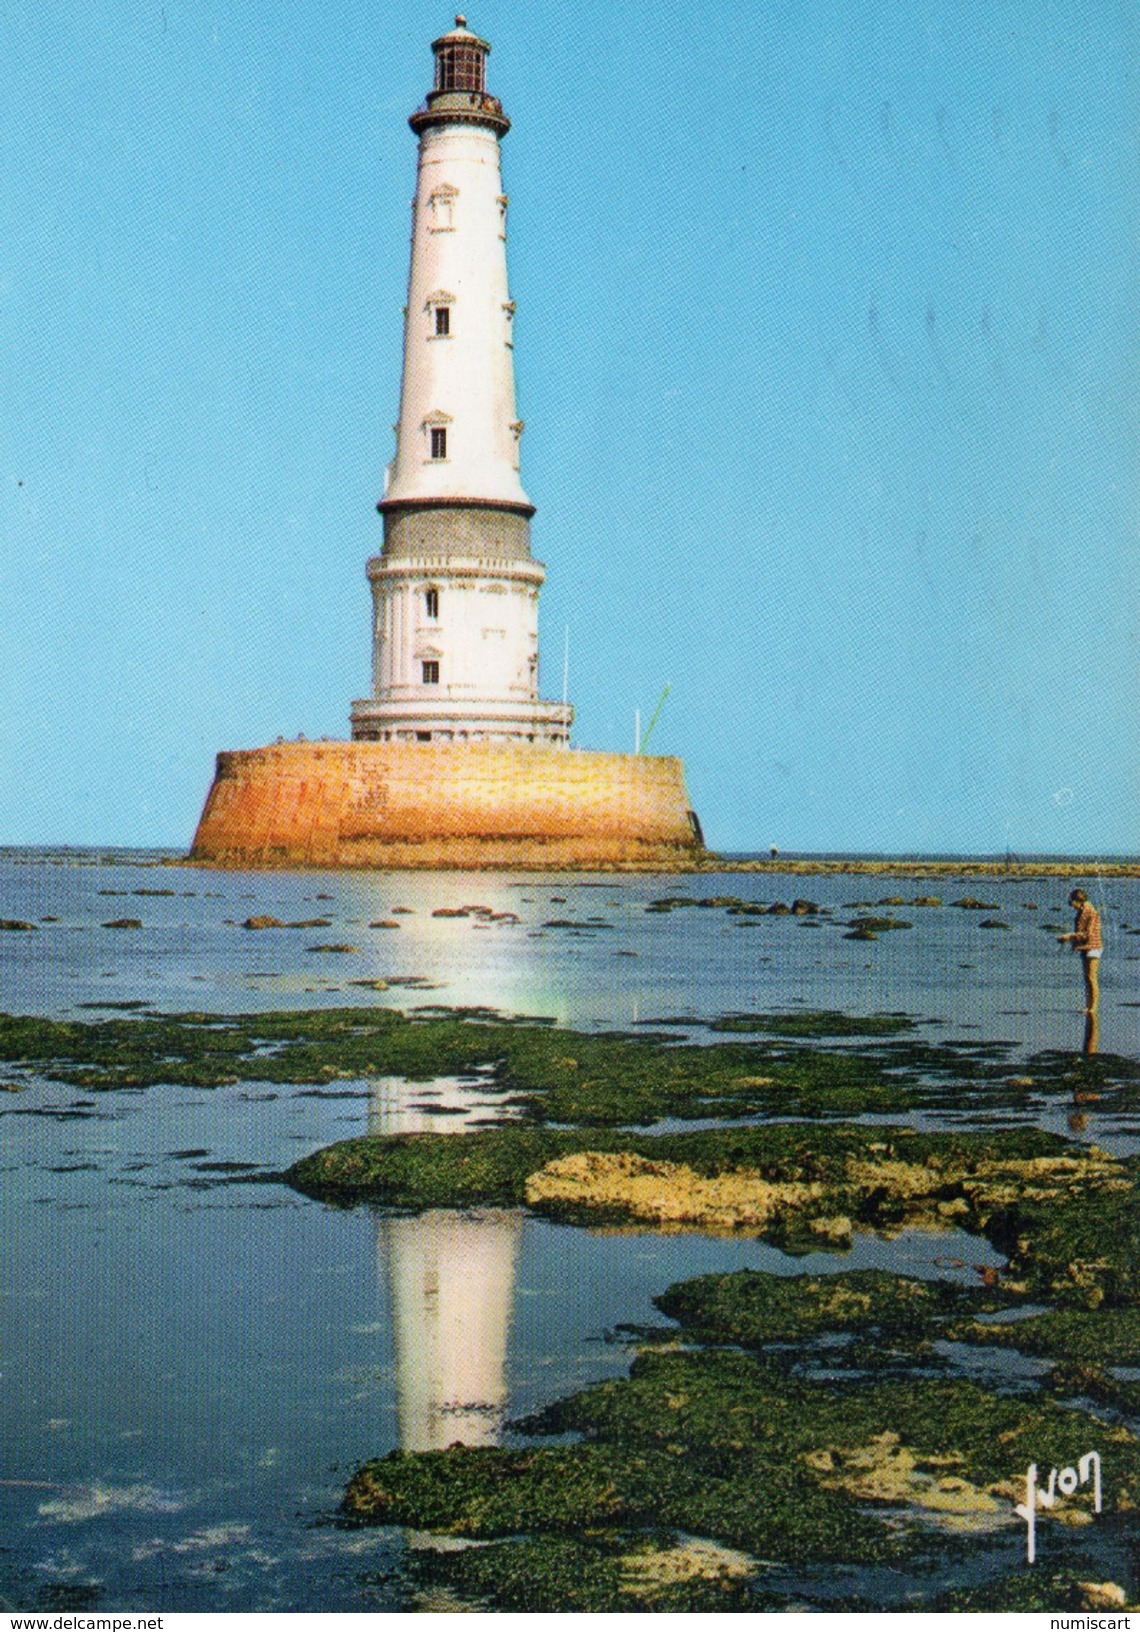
(439, 442)
(441, 208)
(443, 320)
(431, 672)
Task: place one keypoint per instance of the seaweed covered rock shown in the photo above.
(790, 1067)
(1037, 1591)
(1078, 1246)
(725, 1447)
(753, 1309)
(1083, 1339)
(872, 925)
(792, 1419)
(793, 1183)
(816, 1023)
(599, 1572)
(489, 1167)
(550, 1075)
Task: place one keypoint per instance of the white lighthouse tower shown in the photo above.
(455, 761)
(455, 588)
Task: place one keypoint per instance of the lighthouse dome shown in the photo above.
(460, 89)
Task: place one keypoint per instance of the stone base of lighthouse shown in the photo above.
(461, 805)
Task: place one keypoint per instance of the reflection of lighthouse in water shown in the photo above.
(451, 1281)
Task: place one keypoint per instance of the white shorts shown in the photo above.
(1092, 951)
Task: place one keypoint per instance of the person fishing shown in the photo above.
(1086, 939)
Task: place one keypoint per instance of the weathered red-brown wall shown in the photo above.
(373, 804)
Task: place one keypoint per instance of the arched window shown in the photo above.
(435, 425)
(438, 307)
(441, 208)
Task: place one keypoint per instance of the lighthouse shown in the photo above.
(454, 761)
(455, 587)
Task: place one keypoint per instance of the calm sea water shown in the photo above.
(191, 1366)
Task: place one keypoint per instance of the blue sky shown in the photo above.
(826, 345)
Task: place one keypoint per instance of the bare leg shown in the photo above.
(1092, 983)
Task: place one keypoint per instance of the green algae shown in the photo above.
(725, 1446)
(719, 1405)
(1028, 1591)
(715, 1182)
(487, 1168)
(551, 1075)
(753, 1309)
(744, 1451)
(883, 1457)
(286, 1046)
(594, 1574)
(816, 1023)
(492, 1165)
(1073, 1380)
(1080, 1246)
(551, 1574)
(482, 1492)
(1075, 1337)
(607, 1081)
(683, 1447)
(726, 1430)
(809, 1063)
(706, 1441)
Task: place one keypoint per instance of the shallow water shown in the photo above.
(194, 1359)
(192, 953)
